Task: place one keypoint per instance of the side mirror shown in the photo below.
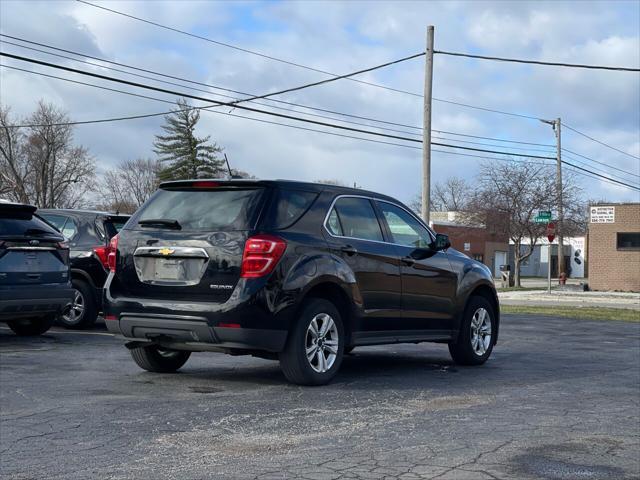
(441, 242)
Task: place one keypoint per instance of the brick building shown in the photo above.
(614, 247)
(480, 242)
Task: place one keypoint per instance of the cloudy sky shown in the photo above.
(341, 37)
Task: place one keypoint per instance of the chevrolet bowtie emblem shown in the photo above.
(166, 251)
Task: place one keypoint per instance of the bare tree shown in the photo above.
(129, 184)
(452, 195)
(510, 195)
(14, 169)
(41, 165)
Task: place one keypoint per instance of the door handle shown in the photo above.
(349, 250)
(408, 261)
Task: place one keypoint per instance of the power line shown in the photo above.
(601, 163)
(494, 139)
(451, 102)
(299, 65)
(247, 94)
(537, 62)
(528, 149)
(599, 175)
(607, 179)
(600, 142)
(245, 50)
(260, 103)
(205, 108)
(216, 87)
(195, 97)
(251, 109)
(597, 169)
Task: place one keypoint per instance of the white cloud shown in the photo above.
(340, 37)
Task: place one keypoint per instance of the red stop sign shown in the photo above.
(551, 231)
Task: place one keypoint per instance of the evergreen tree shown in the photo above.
(182, 155)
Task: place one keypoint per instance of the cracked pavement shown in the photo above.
(559, 399)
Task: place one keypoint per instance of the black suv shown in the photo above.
(34, 270)
(293, 271)
(88, 233)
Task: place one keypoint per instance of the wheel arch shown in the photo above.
(82, 275)
(336, 294)
(489, 293)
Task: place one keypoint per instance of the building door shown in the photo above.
(500, 258)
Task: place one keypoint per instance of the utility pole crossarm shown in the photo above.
(426, 135)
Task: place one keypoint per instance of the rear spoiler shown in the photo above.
(7, 207)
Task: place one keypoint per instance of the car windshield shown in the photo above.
(202, 210)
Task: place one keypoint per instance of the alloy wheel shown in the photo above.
(321, 342)
(75, 310)
(480, 331)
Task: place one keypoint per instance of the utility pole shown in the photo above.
(557, 128)
(426, 123)
(559, 228)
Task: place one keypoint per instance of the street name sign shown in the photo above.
(544, 216)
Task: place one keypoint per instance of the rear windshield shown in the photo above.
(204, 210)
(24, 223)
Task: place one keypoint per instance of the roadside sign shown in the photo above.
(543, 216)
(551, 231)
(603, 214)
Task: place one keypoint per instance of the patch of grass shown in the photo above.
(585, 313)
(521, 289)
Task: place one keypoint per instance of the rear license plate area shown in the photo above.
(169, 269)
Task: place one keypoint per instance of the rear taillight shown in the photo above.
(261, 255)
(111, 255)
(102, 253)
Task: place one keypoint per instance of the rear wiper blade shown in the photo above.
(161, 222)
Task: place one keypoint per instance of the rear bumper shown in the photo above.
(194, 333)
(33, 300)
(248, 320)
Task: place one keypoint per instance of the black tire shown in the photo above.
(90, 310)
(463, 351)
(159, 360)
(28, 327)
(293, 360)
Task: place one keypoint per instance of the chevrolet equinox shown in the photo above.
(293, 271)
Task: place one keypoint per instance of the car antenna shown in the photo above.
(231, 175)
(228, 166)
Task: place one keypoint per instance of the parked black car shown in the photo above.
(34, 270)
(88, 233)
(292, 271)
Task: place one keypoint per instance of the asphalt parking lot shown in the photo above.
(559, 399)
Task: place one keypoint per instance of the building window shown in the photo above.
(628, 240)
(479, 257)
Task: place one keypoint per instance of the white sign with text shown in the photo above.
(603, 214)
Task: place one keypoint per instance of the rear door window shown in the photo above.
(356, 218)
(204, 210)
